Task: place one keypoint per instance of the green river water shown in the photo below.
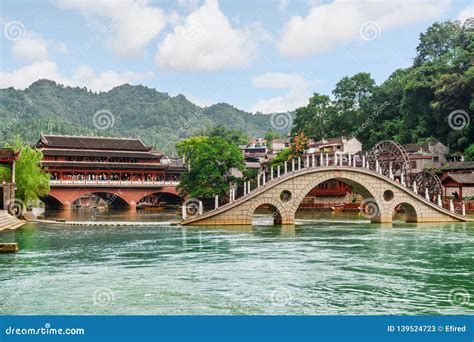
(329, 264)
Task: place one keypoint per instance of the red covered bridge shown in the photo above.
(121, 171)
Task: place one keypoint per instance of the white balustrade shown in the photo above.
(183, 211)
(201, 208)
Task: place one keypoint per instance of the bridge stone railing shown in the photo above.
(323, 161)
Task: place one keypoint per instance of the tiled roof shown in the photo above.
(98, 143)
(8, 154)
(331, 141)
(462, 178)
(425, 147)
(465, 165)
(410, 148)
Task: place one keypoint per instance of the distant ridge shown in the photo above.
(125, 111)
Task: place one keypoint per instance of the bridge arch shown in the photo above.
(163, 196)
(359, 184)
(52, 202)
(279, 212)
(112, 199)
(409, 211)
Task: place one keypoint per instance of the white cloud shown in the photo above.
(294, 99)
(31, 46)
(298, 95)
(466, 13)
(30, 49)
(206, 40)
(280, 80)
(84, 76)
(21, 78)
(334, 24)
(134, 23)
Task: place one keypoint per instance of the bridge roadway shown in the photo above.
(382, 195)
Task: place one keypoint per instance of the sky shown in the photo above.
(267, 55)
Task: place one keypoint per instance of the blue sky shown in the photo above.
(267, 56)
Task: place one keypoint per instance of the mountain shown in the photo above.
(128, 111)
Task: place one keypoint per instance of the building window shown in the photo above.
(413, 164)
(436, 159)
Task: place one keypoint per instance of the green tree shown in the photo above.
(211, 160)
(32, 181)
(469, 153)
(411, 105)
(269, 136)
(315, 119)
(232, 136)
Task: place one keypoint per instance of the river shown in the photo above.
(325, 264)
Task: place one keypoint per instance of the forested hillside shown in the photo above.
(432, 99)
(159, 120)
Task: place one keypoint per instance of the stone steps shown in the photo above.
(8, 221)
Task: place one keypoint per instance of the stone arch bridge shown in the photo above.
(286, 192)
